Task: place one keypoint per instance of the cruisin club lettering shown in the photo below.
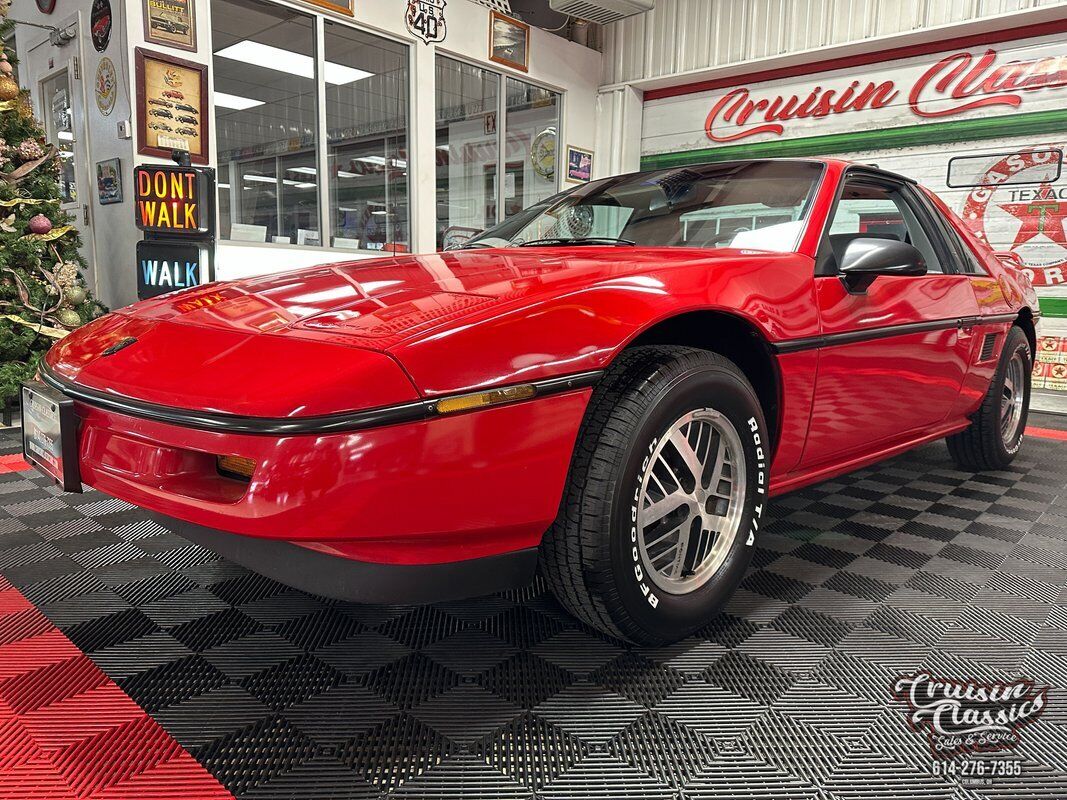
(955, 84)
(963, 715)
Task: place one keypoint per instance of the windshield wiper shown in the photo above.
(580, 241)
(472, 245)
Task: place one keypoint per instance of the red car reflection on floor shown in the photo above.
(608, 387)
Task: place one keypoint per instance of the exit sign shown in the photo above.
(173, 200)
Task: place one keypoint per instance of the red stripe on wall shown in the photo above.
(68, 732)
(1047, 433)
(862, 59)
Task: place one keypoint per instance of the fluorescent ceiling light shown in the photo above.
(345, 174)
(302, 170)
(225, 100)
(380, 161)
(286, 181)
(264, 55)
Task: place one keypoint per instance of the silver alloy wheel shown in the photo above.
(691, 502)
(1013, 395)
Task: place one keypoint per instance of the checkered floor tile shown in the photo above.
(788, 694)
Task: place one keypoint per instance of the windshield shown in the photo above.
(757, 205)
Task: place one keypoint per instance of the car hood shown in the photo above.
(381, 303)
(325, 339)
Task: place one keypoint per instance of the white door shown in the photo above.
(57, 84)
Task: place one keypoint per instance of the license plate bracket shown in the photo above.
(49, 434)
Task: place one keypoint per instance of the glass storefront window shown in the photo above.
(367, 121)
(265, 122)
(467, 103)
(58, 127)
(532, 125)
(469, 151)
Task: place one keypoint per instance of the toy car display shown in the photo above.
(609, 386)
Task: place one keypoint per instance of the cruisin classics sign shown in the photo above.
(956, 84)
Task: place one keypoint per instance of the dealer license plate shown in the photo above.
(49, 440)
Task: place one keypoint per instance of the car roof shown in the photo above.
(843, 164)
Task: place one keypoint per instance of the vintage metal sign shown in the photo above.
(965, 83)
(426, 19)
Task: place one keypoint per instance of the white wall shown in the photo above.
(694, 37)
(114, 286)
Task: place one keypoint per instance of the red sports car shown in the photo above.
(607, 387)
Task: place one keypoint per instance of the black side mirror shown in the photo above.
(866, 258)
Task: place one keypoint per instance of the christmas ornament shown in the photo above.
(8, 224)
(67, 274)
(5, 65)
(75, 295)
(68, 318)
(29, 150)
(40, 224)
(98, 311)
(51, 236)
(9, 90)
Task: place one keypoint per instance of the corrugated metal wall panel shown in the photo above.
(683, 35)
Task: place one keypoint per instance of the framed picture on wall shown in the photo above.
(340, 6)
(509, 41)
(171, 106)
(109, 181)
(171, 23)
(579, 165)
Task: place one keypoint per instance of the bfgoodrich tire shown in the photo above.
(666, 490)
(998, 427)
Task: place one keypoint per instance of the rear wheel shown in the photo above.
(666, 490)
(997, 428)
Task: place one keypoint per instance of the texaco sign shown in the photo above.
(1027, 220)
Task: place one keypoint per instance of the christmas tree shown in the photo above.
(42, 291)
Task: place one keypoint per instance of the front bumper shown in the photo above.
(432, 491)
(359, 581)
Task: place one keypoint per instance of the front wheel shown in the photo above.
(665, 495)
(997, 428)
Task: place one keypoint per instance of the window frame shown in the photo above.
(968, 261)
(826, 264)
(321, 139)
(501, 121)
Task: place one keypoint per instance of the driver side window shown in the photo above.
(866, 210)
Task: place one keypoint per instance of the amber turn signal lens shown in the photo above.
(236, 467)
(493, 397)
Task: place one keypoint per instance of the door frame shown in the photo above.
(69, 57)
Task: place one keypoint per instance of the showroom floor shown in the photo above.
(277, 694)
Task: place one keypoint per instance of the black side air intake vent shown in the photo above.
(988, 346)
